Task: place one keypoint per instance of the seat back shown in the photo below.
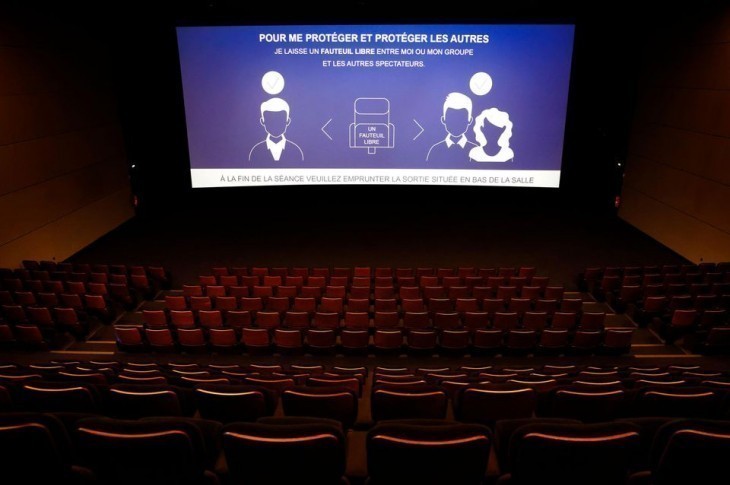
(132, 401)
(427, 451)
(60, 397)
(573, 453)
(35, 448)
(231, 403)
(690, 451)
(335, 403)
(418, 401)
(162, 451)
(281, 450)
(488, 403)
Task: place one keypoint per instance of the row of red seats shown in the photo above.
(422, 318)
(393, 340)
(340, 291)
(365, 281)
(484, 397)
(367, 271)
(338, 304)
(591, 276)
(314, 450)
(116, 292)
(154, 271)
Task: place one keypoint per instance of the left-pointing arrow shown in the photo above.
(325, 126)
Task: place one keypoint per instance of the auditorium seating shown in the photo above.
(63, 298)
(676, 301)
(654, 424)
(486, 314)
(513, 300)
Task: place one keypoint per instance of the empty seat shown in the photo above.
(285, 450)
(353, 382)
(321, 340)
(239, 318)
(30, 337)
(36, 448)
(454, 341)
(133, 401)
(256, 339)
(182, 318)
(427, 452)
(160, 339)
(616, 341)
(487, 341)
(421, 341)
(388, 340)
(689, 451)
(231, 403)
(45, 396)
(268, 320)
(191, 339)
(488, 403)
(223, 339)
(288, 341)
(354, 341)
(405, 403)
(520, 342)
(680, 323)
(678, 402)
(340, 404)
(159, 451)
(572, 453)
(588, 405)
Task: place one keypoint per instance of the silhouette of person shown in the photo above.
(456, 119)
(498, 119)
(275, 120)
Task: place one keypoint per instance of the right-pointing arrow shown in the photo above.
(421, 127)
(325, 126)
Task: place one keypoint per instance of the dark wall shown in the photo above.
(63, 171)
(677, 184)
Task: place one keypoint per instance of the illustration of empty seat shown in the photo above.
(372, 128)
(427, 452)
(285, 450)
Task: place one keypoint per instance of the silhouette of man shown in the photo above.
(275, 120)
(456, 119)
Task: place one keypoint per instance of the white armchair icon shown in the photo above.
(372, 128)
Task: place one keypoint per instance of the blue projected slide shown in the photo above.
(376, 104)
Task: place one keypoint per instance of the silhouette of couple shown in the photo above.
(456, 118)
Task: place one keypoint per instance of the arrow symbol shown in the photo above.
(325, 126)
(421, 127)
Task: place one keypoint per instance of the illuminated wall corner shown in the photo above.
(677, 182)
(63, 170)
